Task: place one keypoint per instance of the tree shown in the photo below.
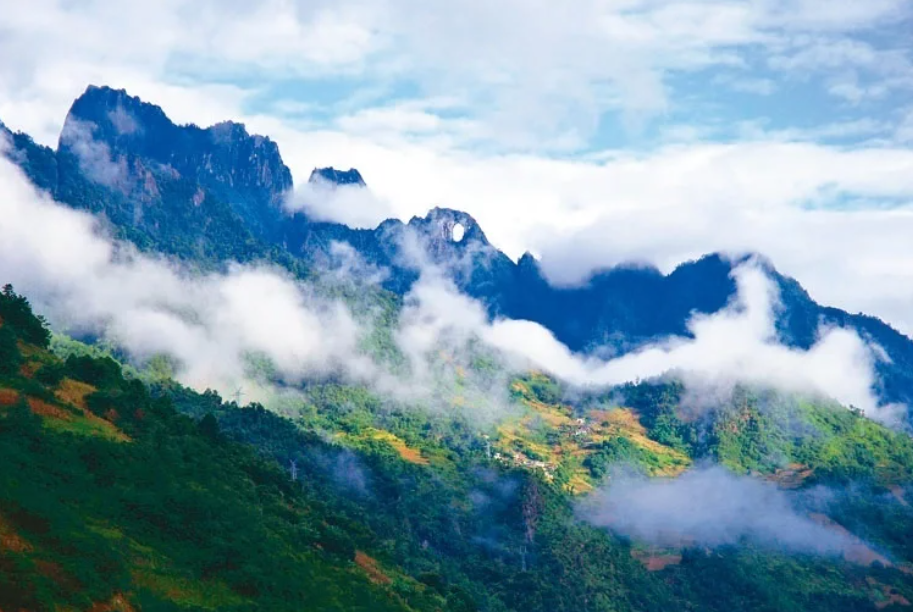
(209, 427)
(10, 357)
(16, 312)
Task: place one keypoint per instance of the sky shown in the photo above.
(589, 132)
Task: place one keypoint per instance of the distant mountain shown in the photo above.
(337, 177)
(203, 194)
(215, 194)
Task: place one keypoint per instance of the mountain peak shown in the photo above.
(115, 114)
(337, 177)
(121, 142)
(528, 261)
(450, 225)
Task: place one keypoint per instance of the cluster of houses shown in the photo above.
(516, 458)
(581, 427)
(578, 428)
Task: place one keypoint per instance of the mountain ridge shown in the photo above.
(214, 194)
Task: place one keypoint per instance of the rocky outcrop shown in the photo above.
(129, 146)
(333, 176)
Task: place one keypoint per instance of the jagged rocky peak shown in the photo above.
(333, 176)
(529, 264)
(450, 226)
(120, 120)
(110, 125)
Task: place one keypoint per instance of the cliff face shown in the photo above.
(121, 144)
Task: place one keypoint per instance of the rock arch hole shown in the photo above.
(457, 232)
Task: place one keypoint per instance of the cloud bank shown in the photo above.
(210, 324)
(528, 72)
(712, 507)
(205, 61)
(216, 325)
(736, 344)
(468, 107)
(353, 205)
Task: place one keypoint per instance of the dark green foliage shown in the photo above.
(177, 502)
(51, 374)
(613, 452)
(746, 579)
(209, 427)
(101, 372)
(658, 406)
(544, 389)
(10, 357)
(335, 541)
(215, 512)
(16, 312)
(37, 161)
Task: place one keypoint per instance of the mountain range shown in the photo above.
(216, 194)
(494, 487)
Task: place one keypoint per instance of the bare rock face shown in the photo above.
(121, 143)
(332, 176)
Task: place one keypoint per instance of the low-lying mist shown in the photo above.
(711, 507)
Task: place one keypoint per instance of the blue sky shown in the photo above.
(590, 132)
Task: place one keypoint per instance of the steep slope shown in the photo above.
(110, 500)
(206, 195)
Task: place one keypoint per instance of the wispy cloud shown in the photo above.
(711, 507)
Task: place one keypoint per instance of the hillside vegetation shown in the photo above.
(119, 494)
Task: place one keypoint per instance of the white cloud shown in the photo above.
(710, 507)
(737, 344)
(667, 206)
(532, 73)
(93, 156)
(353, 205)
(216, 325)
(209, 324)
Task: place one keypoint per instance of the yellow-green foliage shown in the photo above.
(578, 450)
